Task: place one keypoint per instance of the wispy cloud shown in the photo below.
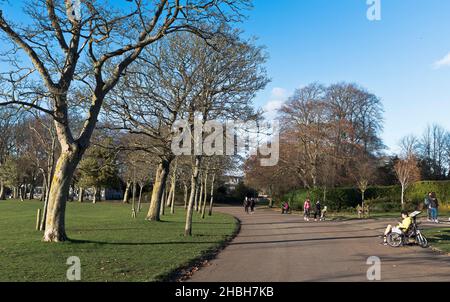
(444, 62)
(277, 99)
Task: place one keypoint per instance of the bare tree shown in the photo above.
(81, 57)
(364, 172)
(407, 172)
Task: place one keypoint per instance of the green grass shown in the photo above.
(439, 238)
(444, 214)
(110, 244)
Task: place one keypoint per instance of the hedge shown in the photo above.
(378, 197)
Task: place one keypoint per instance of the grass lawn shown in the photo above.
(110, 244)
(439, 238)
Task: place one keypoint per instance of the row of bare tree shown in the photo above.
(137, 68)
(330, 137)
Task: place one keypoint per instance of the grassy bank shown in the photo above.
(110, 244)
(439, 238)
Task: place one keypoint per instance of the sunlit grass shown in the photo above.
(111, 245)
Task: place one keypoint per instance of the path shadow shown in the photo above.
(304, 240)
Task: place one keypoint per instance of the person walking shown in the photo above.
(246, 204)
(318, 212)
(306, 209)
(252, 204)
(434, 208)
(427, 203)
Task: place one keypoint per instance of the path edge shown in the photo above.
(185, 272)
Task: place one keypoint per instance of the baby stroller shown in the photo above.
(412, 235)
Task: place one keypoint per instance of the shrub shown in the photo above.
(380, 198)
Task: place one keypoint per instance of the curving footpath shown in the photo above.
(283, 248)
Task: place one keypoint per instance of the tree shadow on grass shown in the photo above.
(77, 241)
(444, 235)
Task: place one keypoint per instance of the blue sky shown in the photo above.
(331, 41)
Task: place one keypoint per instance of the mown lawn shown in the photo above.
(439, 238)
(110, 244)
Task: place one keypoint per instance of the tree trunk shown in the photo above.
(44, 197)
(194, 181)
(14, 192)
(197, 197)
(162, 209)
(403, 197)
(55, 230)
(133, 203)
(21, 193)
(205, 196)
(31, 197)
(200, 196)
(185, 196)
(141, 187)
(44, 188)
(158, 188)
(211, 202)
(173, 188)
(2, 190)
(127, 193)
(362, 198)
(81, 195)
(94, 201)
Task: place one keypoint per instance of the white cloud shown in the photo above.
(277, 99)
(444, 62)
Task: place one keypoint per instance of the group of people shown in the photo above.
(249, 205)
(432, 205)
(319, 211)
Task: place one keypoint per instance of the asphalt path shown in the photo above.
(283, 248)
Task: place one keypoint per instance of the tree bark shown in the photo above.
(2, 190)
(190, 210)
(200, 196)
(141, 187)
(211, 202)
(63, 174)
(162, 209)
(20, 193)
(81, 195)
(185, 196)
(196, 197)
(157, 193)
(127, 193)
(205, 196)
(94, 200)
(403, 197)
(31, 197)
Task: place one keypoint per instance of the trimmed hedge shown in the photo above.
(382, 199)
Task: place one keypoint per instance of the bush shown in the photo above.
(380, 198)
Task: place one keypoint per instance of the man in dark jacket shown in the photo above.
(318, 212)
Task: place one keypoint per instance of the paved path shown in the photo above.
(273, 247)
